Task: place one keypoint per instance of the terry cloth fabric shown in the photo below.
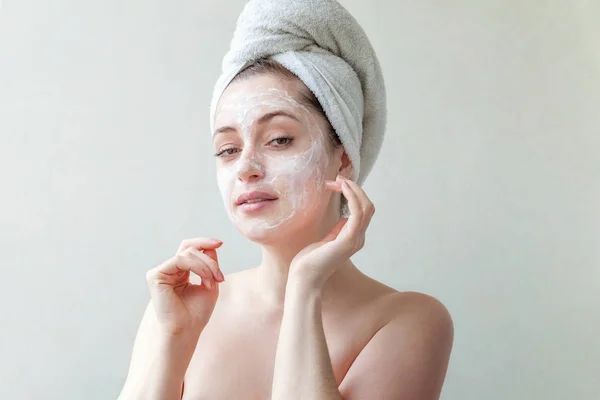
(325, 47)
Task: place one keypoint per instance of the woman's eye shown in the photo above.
(282, 141)
(227, 152)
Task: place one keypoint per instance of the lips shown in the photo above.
(256, 196)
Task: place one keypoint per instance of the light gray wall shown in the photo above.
(487, 189)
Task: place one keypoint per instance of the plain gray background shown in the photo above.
(487, 188)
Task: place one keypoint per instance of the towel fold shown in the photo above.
(325, 47)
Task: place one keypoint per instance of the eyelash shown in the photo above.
(289, 142)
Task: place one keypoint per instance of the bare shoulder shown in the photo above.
(422, 323)
(410, 351)
(409, 307)
(421, 303)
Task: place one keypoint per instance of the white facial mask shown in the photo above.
(294, 179)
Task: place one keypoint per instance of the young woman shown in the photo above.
(306, 323)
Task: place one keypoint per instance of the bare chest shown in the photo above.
(236, 360)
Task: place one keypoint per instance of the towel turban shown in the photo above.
(325, 47)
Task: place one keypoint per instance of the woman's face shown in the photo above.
(266, 140)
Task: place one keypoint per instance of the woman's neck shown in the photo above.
(272, 274)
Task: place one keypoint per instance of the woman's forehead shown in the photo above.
(262, 88)
(259, 96)
(257, 104)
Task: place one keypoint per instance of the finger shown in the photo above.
(356, 215)
(334, 186)
(365, 203)
(213, 254)
(199, 243)
(206, 275)
(211, 263)
(178, 265)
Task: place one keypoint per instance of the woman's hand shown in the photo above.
(183, 307)
(314, 264)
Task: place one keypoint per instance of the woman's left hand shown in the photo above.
(314, 264)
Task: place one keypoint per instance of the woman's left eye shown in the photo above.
(282, 141)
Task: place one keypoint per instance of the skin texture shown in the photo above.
(305, 323)
(255, 159)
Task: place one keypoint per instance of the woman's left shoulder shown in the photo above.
(420, 308)
(395, 305)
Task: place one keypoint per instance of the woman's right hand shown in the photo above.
(183, 307)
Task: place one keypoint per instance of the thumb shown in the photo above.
(335, 231)
(212, 253)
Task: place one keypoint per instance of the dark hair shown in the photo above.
(264, 66)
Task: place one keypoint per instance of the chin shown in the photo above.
(264, 237)
(269, 230)
(267, 234)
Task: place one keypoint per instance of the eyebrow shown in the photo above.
(266, 117)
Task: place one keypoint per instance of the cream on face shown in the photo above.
(295, 175)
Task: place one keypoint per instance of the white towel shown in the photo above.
(323, 45)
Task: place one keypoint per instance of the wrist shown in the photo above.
(303, 287)
(174, 353)
(178, 340)
(306, 278)
(178, 332)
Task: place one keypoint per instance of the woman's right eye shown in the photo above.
(227, 152)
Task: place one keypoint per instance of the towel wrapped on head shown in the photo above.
(325, 47)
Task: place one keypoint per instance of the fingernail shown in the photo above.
(217, 241)
(220, 275)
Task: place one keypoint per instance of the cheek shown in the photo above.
(225, 178)
(301, 176)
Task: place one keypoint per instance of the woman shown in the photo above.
(305, 323)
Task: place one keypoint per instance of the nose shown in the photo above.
(250, 167)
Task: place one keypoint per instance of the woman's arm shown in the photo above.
(183, 303)
(406, 359)
(158, 363)
(302, 365)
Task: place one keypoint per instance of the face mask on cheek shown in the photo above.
(302, 176)
(297, 180)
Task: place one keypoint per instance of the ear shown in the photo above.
(346, 168)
